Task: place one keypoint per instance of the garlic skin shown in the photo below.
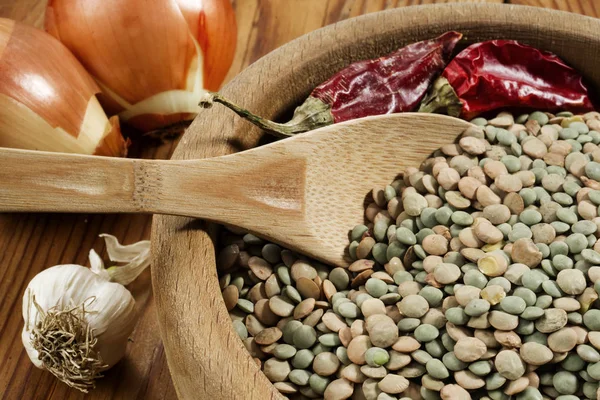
(109, 307)
(112, 313)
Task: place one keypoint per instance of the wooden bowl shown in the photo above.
(206, 358)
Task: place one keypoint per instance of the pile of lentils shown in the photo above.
(476, 276)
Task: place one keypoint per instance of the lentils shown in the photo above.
(469, 349)
(413, 306)
(475, 276)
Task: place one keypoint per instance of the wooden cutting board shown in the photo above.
(31, 243)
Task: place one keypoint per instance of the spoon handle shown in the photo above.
(247, 189)
(32, 181)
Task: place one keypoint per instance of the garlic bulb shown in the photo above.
(77, 319)
(47, 99)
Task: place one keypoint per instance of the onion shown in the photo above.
(152, 58)
(47, 99)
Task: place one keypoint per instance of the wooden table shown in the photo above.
(30, 243)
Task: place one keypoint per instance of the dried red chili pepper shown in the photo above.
(503, 74)
(390, 84)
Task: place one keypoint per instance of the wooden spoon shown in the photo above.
(304, 193)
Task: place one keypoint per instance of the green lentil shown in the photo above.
(513, 305)
(588, 353)
(537, 337)
(551, 288)
(539, 173)
(426, 333)
(573, 363)
(303, 358)
(561, 262)
(594, 371)
(240, 329)
(395, 249)
(530, 217)
(526, 294)
(566, 215)
(525, 327)
(349, 310)
(512, 163)
(533, 280)
(480, 368)
(423, 232)
(342, 355)
(284, 351)
(592, 170)
(571, 188)
(576, 242)
(339, 277)
(402, 276)
(357, 232)
(428, 217)
(389, 192)
(318, 383)
(433, 295)
(408, 324)
(435, 348)
(590, 389)
(494, 381)
(475, 278)
(421, 356)
(330, 339)
(544, 249)
(406, 236)
(591, 255)
(351, 250)
(304, 337)
(376, 288)
(376, 357)
(532, 313)
(457, 316)
(528, 195)
(538, 116)
(591, 319)
(530, 393)
(452, 363)
(557, 248)
(437, 369)
(549, 268)
(443, 215)
(462, 218)
(500, 281)
(565, 382)
(505, 137)
(245, 305)
(477, 307)
(380, 230)
(574, 318)
(299, 377)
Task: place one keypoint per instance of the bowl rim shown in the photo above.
(205, 356)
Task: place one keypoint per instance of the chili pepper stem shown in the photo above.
(442, 99)
(311, 114)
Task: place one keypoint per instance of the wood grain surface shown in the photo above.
(30, 243)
